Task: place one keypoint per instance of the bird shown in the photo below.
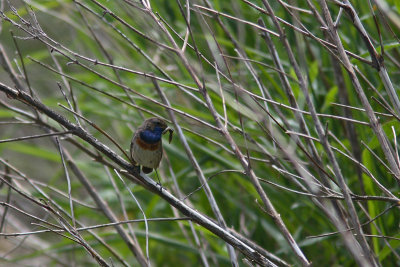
(146, 145)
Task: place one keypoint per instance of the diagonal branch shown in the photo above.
(247, 249)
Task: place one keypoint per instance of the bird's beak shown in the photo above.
(171, 131)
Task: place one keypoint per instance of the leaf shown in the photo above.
(329, 98)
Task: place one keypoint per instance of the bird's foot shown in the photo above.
(135, 168)
(159, 186)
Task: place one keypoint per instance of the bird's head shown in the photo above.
(157, 126)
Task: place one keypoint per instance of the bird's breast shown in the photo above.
(145, 154)
(146, 146)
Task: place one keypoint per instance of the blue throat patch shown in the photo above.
(151, 137)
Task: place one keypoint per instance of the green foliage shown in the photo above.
(107, 58)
